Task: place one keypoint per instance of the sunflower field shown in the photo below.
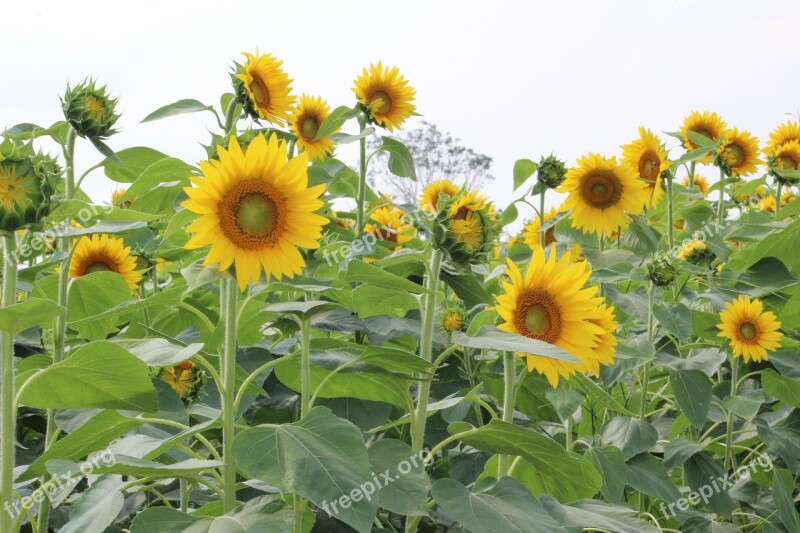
(263, 342)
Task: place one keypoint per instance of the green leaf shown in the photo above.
(321, 457)
(593, 514)
(161, 352)
(676, 319)
(678, 451)
(523, 169)
(701, 140)
(782, 488)
(131, 466)
(408, 494)
(134, 161)
(630, 435)
(177, 108)
(702, 472)
(89, 296)
(610, 462)
(302, 309)
(506, 507)
(31, 312)
(397, 361)
(468, 287)
(693, 392)
(370, 300)
(86, 212)
(647, 474)
(401, 163)
(97, 375)
(163, 520)
(169, 296)
(105, 150)
(564, 401)
(490, 337)
(781, 387)
(594, 392)
(97, 508)
(335, 120)
(366, 273)
(164, 170)
(745, 405)
(694, 155)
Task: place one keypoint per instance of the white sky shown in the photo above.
(512, 79)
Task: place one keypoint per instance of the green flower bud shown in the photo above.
(90, 110)
(27, 182)
(661, 271)
(551, 171)
(466, 229)
(452, 318)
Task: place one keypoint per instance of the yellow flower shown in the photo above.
(467, 225)
(390, 226)
(15, 187)
(647, 158)
(752, 331)
(550, 304)
(601, 193)
(530, 233)
(706, 123)
(699, 181)
(739, 152)
(386, 95)
(305, 121)
(787, 132)
(256, 210)
(430, 194)
(265, 88)
(606, 342)
(695, 252)
(767, 202)
(183, 377)
(453, 318)
(116, 195)
(99, 253)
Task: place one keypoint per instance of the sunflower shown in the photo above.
(767, 202)
(264, 88)
(647, 158)
(305, 121)
(99, 253)
(116, 195)
(752, 331)
(696, 252)
(606, 342)
(255, 210)
(430, 194)
(530, 233)
(385, 95)
(706, 123)
(550, 304)
(699, 181)
(184, 378)
(787, 132)
(390, 226)
(453, 318)
(600, 193)
(785, 157)
(16, 188)
(467, 225)
(738, 153)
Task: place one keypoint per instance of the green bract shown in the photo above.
(90, 110)
(27, 182)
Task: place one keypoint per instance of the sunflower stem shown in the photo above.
(230, 119)
(691, 173)
(305, 365)
(509, 378)
(778, 199)
(670, 229)
(541, 218)
(7, 412)
(228, 304)
(362, 173)
(721, 202)
(646, 368)
(729, 418)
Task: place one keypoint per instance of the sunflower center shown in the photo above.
(253, 214)
(601, 189)
(538, 316)
(453, 322)
(787, 163)
(98, 266)
(748, 331)
(94, 107)
(550, 236)
(735, 155)
(260, 92)
(380, 102)
(649, 166)
(310, 127)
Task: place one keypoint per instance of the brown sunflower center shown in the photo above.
(310, 127)
(601, 189)
(787, 163)
(260, 92)
(649, 166)
(253, 214)
(380, 102)
(550, 236)
(735, 154)
(748, 331)
(98, 266)
(538, 316)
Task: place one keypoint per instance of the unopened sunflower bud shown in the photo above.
(453, 318)
(661, 271)
(27, 182)
(551, 171)
(90, 110)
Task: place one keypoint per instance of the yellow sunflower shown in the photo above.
(767, 202)
(695, 251)
(550, 304)
(786, 156)
(386, 94)
(787, 132)
(453, 318)
(647, 158)
(15, 188)
(430, 194)
(699, 181)
(99, 253)
(255, 210)
(530, 233)
(183, 377)
(606, 341)
(266, 88)
(739, 152)
(467, 225)
(389, 225)
(305, 121)
(706, 123)
(601, 193)
(752, 331)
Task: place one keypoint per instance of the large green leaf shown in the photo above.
(610, 462)
(364, 272)
(401, 162)
(704, 473)
(408, 494)
(31, 312)
(131, 466)
(180, 107)
(594, 392)
(98, 375)
(630, 435)
(468, 287)
(134, 161)
(647, 474)
(781, 387)
(96, 508)
(693, 392)
(91, 295)
(162, 520)
(370, 300)
(676, 319)
(782, 488)
(489, 337)
(336, 120)
(164, 170)
(523, 169)
(597, 515)
(321, 457)
(161, 352)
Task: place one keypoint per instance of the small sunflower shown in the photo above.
(116, 195)
(256, 210)
(752, 331)
(699, 181)
(388, 225)
(264, 88)
(647, 158)
(16, 188)
(696, 252)
(606, 342)
(453, 318)
(530, 233)
(467, 225)
(305, 121)
(738, 153)
(785, 157)
(706, 123)
(787, 132)
(767, 202)
(550, 304)
(184, 378)
(98, 253)
(385, 95)
(601, 193)
(430, 194)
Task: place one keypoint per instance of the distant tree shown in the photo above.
(437, 155)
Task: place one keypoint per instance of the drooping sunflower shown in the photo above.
(738, 153)
(696, 252)
(386, 95)
(530, 233)
(184, 378)
(264, 88)
(699, 181)
(706, 123)
(647, 158)
(601, 192)
(389, 225)
(305, 121)
(752, 331)
(550, 304)
(787, 132)
(104, 253)
(256, 210)
(430, 194)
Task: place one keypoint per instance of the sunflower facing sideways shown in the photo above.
(787, 132)
(388, 225)
(752, 331)
(706, 123)
(263, 88)
(738, 153)
(255, 210)
(104, 253)
(648, 159)
(530, 233)
(785, 157)
(385, 95)
(305, 121)
(699, 181)
(431, 193)
(601, 192)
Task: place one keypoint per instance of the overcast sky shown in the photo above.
(511, 79)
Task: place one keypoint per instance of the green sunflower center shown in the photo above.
(649, 166)
(98, 266)
(601, 189)
(310, 127)
(257, 215)
(380, 102)
(748, 330)
(260, 92)
(253, 214)
(735, 154)
(94, 107)
(787, 163)
(538, 316)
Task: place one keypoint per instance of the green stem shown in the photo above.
(8, 415)
(362, 174)
(650, 336)
(541, 218)
(778, 199)
(228, 299)
(691, 173)
(230, 120)
(670, 229)
(729, 420)
(305, 367)
(509, 378)
(721, 202)
(184, 496)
